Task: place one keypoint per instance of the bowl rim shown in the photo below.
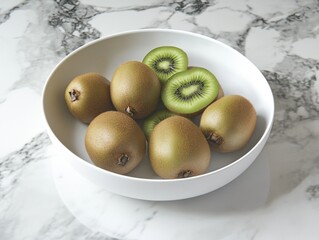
(151, 180)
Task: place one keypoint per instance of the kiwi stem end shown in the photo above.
(122, 160)
(214, 137)
(74, 95)
(185, 174)
(130, 111)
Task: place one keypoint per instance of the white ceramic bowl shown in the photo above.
(236, 74)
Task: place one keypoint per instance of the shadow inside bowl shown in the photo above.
(218, 160)
(73, 133)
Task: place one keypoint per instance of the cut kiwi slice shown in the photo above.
(166, 61)
(154, 119)
(190, 91)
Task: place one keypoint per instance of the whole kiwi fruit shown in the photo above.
(229, 123)
(151, 121)
(135, 89)
(87, 95)
(115, 142)
(190, 92)
(178, 149)
(166, 61)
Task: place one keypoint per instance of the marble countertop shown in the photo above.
(276, 198)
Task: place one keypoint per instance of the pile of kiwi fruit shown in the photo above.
(149, 107)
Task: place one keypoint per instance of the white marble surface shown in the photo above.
(276, 198)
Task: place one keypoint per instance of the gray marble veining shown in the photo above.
(12, 165)
(71, 18)
(281, 38)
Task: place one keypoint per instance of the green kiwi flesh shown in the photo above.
(151, 121)
(190, 91)
(166, 61)
(220, 91)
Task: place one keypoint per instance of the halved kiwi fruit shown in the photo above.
(151, 121)
(190, 91)
(166, 61)
(220, 91)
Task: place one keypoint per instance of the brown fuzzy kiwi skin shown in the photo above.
(229, 123)
(88, 95)
(115, 142)
(151, 121)
(135, 89)
(177, 148)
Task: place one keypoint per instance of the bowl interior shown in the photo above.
(235, 73)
